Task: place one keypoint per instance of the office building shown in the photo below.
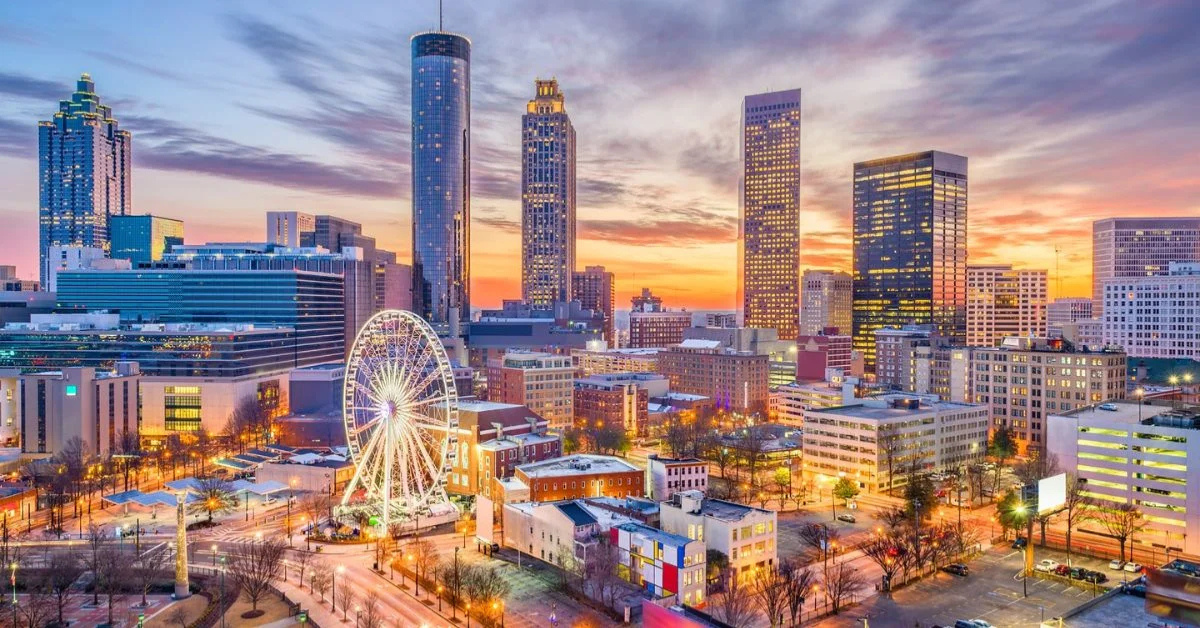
(142, 239)
(10, 407)
(720, 319)
(746, 535)
(1066, 310)
(1002, 302)
(601, 362)
(781, 353)
(571, 477)
(891, 436)
(1139, 454)
(1155, 317)
(441, 177)
(547, 198)
(1087, 332)
(596, 290)
(563, 329)
(903, 357)
(9, 282)
(910, 246)
(542, 382)
(97, 407)
(769, 242)
(1025, 380)
(393, 283)
(288, 228)
(1139, 247)
(790, 401)
(61, 257)
(826, 300)
(618, 400)
(652, 325)
(661, 564)
(667, 476)
(84, 173)
(737, 382)
(816, 354)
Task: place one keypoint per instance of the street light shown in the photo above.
(333, 584)
(1140, 393)
(222, 589)
(14, 591)
(468, 615)
(214, 553)
(439, 593)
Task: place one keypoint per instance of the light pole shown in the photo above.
(1140, 393)
(289, 512)
(222, 590)
(454, 602)
(333, 581)
(14, 591)
(214, 553)
(468, 615)
(439, 592)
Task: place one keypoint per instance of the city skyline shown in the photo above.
(658, 196)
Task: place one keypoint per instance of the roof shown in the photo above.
(576, 464)
(1126, 412)
(666, 460)
(666, 538)
(699, 343)
(576, 514)
(719, 508)
(474, 405)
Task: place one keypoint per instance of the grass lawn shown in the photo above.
(275, 609)
(192, 607)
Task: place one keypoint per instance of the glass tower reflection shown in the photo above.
(441, 177)
(910, 246)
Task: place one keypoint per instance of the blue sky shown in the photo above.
(1068, 113)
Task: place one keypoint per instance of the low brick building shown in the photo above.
(572, 477)
(617, 400)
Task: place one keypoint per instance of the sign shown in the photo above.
(303, 617)
(1052, 493)
(72, 390)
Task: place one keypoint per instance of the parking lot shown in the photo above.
(993, 592)
(790, 524)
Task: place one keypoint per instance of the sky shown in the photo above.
(1068, 112)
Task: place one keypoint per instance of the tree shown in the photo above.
(798, 583)
(820, 538)
(1037, 466)
(97, 541)
(372, 615)
(321, 578)
(1001, 448)
(345, 597)
(889, 445)
(1076, 509)
(783, 484)
(770, 587)
(485, 585)
(129, 453)
(845, 489)
(37, 605)
(715, 562)
(1011, 513)
(213, 496)
(315, 506)
(112, 576)
(255, 567)
(735, 601)
(887, 550)
(425, 559)
(572, 440)
(751, 445)
(62, 569)
(1122, 521)
(148, 567)
(842, 583)
(600, 571)
(920, 489)
(179, 616)
(301, 559)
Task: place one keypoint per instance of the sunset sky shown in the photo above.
(1068, 112)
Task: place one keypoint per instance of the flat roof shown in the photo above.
(576, 513)
(1125, 412)
(576, 464)
(863, 411)
(474, 405)
(666, 538)
(727, 511)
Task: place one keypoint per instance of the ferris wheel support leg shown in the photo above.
(388, 448)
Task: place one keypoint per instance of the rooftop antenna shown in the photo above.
(1057, 275)
(440, 15)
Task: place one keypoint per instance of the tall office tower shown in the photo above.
(144, 239)
(441, 177)
(1003, 302)
(910, 246)
(84, 172)
(547, 198)
(651, 325)
(287, 228)
(826, 300)
(1066, 310)
(1154, 317)
(1139, 247)
(769, 242)
(596, 290)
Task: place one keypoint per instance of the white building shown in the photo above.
(98, 407)
(743, 533)
(667, 476)
(825, 301)
(560, 533)
(1066, 310)
(1155, 317)
(1139, 455)
(854, 440)
(10, 407)
(793, 399)
(1002, 302)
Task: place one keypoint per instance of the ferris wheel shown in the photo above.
(400, 408)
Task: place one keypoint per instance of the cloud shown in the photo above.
(22, 86)
(138, 66)
(17, 139)
(655, 232)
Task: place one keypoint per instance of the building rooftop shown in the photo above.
(716, 508)
(576, 513)
(576, 464)
(883, 407)
(699, 343)
(666, 460)
(516, 440)
(475, 405)
(1151, 413)
(649, 352)
(666, 538)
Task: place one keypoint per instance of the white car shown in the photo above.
(1046, 565)
(1132, 567)
(1116, 564)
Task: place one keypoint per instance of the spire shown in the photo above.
(440, 16)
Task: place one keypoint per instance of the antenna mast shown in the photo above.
(440, 15)
(1057, 275)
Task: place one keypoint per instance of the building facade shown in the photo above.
(736, 381)
(818, 353)
(575, 477)
(910, 246)
(667, 476)
(600, 362)
(596, 290)
(1002, 302)
(542, 382)
(1139, 247)
(1155, 317)
(660, 563)
(826, 300)
(99, 408)
(85, 173)
(903, 357)
(287, 228)
(547, 198)
(769, 256)
(441, 177)
(144, 239)
(1066, 310)
(617, 400)
(746, 535)
(493, 438)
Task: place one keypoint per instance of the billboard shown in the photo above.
(1052, 493)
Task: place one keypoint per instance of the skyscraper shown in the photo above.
(596, 289)
(547, 198)
(1002, 302)
(1066, 310)
(825, 301)
(769, 242)
(144, 239)
(288, 228)
(441, 177)
(1139, 247)
(910, 246)
(83, 173)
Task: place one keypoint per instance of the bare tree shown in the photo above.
(799, 580)
(255, 567)
(62, 569)
(37, 605)
(1077, 508)
(887, 551)
(345, 597)
(213, 496)
(842, 583)
(425, 559)
(315, 505)
(820, 538)
(98, 540)
(889, 445)
(179, 616)
(148, 567)
(1037, 466)
(112, 576)
(321, 578)
(301, 559)
(485, 585)
(1122, 521)
(372, 615)
(770, 586)
(735, 600)
(600, 571)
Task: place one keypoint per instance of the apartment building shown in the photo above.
(618, 400)
(667, 476)
(736, 381)
(542, 382)
(745, 534)
(1003, 301)
(572, 477)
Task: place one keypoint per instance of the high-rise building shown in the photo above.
(441, 177)
(84, 173)
(652, 325)
(98, 408)
(542, 382)
(1002, 302)
(910, 246)
(596, 290)
(287, 228)
(1155, 317)
(826, 300)
(816, 353)
(1066, 310)
(1139, 247)
(903, 357)
(144, 239)
(547, 198)
(769, 261)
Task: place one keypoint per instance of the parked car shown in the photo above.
(1133, 567)
(1020, 542)
(1077, 573)
(957, 569)
(1111, 407)
(1046, 565)
(1095, 576)
(847, 517)
(1116, 564)
(1063, 570)
(1138, 590)
(972, 623)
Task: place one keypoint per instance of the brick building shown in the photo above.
(493, 438)
(572, 477)
(542, 382)
(617, 399)
(736, 381)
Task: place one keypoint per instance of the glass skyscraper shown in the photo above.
(769, 242)
(441, 177)
(83, 173)
(910, 246)
(547, 198)
(144, 239)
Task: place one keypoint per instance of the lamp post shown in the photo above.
(214, 553)
(222, 589)
(468, 615)
(289, 511)
(416, 581)
(13, 581)
(333, 586)
(454, 605)
(1140, 393)
(439, 593)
